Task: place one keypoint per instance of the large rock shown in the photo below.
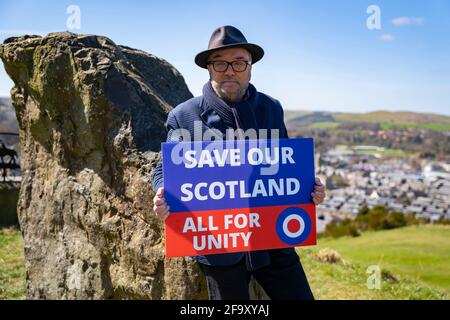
(91, 117)
(91, 120)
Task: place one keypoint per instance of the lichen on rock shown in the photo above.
(91, 118)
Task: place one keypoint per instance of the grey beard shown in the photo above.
(226, 98)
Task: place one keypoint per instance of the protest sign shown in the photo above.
(232, 196)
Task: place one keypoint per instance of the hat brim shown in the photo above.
(256, 51)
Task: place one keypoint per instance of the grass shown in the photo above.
(389, 120)
(398, 153)
(415, 264)
(324, 125)
(12, 270)
(392, 117)
(418, 257)
(386, 119)
(441, 127)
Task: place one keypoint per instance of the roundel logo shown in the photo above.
(293, 226)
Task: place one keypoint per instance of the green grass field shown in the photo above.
(324, 125)
(389, 120)
(12, 269)
(393, 117)
(415, 264)
(442, 127)
(417, 256)
(386, 119)
(398, 153)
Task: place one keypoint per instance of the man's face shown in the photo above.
(230, 85)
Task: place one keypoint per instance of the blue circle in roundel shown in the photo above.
(293, 238)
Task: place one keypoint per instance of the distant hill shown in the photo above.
(288, 114)
(296, 120)
(8, 121)
(332, 128)
(422, 135)
(306, 119)
(6, 104)
(394, 117)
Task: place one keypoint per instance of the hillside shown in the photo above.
(386, 119)
(8, 122)
(393, 117)
(421, 135)
(303, 119)
(414, 262)
(5, 107)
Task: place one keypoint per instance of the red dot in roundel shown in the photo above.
(293, 225)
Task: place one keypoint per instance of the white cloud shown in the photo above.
(407, 21)
(387, 37)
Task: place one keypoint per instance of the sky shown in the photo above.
(322, 55)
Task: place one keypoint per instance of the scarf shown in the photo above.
(240, 115)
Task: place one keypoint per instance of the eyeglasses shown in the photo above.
(237, 65)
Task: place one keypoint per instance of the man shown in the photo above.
(229, 101)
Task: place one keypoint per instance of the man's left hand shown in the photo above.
(319, 192)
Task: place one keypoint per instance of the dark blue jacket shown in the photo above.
(269, 115)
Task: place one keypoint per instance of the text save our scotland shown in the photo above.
(213, 175)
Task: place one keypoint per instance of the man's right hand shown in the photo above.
(160, 206)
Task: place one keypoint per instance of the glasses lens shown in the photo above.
(239, 65)
(220, 66)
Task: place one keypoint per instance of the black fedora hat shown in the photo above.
(228, 37)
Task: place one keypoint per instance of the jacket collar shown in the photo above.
(210, 117)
